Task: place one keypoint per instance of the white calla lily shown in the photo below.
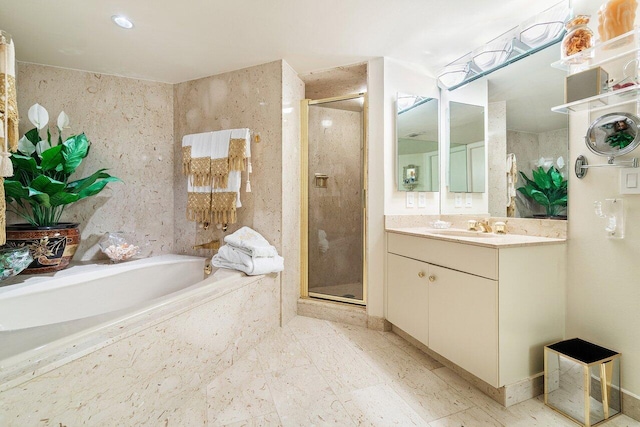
(63, 120)
(42, 146)
(25, 146)
(560, 162)
(38, 116)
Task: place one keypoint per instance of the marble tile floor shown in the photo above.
(314, 372)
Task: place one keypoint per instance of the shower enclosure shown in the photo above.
(333, 198)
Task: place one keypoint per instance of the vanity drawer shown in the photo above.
(471, 259)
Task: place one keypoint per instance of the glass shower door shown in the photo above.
(335, 200)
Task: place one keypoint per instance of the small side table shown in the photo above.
(582, 381)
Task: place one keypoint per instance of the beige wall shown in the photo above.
(335, 151)
(603, 289)
(249, 98)
(130, 125)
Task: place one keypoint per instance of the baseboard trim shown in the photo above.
(378, 324)
(630, 405)
(506, 396)
(333, 311)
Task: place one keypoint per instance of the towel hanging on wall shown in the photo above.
(8, 119)
(213, 162)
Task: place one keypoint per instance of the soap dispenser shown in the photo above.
(612, 210)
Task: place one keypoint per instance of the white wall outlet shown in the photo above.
(468, 200)
(422, 200)
(411, 199)
(629, 181)
(458, 200)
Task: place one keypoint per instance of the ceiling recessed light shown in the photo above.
(122, 22)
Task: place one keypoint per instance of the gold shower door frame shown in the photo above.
(304, 198)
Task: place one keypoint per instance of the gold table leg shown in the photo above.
(587, 397)
(606, 371)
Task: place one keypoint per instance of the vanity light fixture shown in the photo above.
(543, 30)
(122, 22)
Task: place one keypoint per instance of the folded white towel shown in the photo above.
(251, 242)
(230, 257)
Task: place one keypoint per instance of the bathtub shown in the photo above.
(126, 344)
(38, 313)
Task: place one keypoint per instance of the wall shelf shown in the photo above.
(626, 46)
(610, 99)
(615, 56)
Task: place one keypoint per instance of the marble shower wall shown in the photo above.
(335, 150)
(130, 125)
(249, 98)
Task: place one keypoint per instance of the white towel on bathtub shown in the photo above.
(230, 257)
(250, 242)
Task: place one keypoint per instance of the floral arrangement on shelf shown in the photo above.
(40, 188)
(548, 188)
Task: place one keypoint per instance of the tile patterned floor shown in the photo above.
(315, 373)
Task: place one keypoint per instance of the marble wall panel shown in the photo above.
(292, 93)
(335, 82)
(157, 376)
(335, 150)
(248, 98)
(130, 125)
(554, 144)
(497, 148)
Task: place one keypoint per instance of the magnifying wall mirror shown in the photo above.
(613, 135)
(417, 138)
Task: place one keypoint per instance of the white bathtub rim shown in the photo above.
(82, 272)
(66, 351)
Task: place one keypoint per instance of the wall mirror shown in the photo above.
(417, 143)
(523, 136)
(466, 148)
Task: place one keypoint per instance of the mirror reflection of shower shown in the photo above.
(335, 197)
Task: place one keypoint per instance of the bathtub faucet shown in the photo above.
(214, 244)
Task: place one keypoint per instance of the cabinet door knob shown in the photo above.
(421, 274)
(432, 278)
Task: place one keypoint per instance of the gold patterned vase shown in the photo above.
(51, 247)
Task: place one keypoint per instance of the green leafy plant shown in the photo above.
(40, 188)
(547, 188)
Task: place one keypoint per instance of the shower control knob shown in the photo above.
(432, 278)
(421, 274)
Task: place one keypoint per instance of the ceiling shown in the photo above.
(175, 41)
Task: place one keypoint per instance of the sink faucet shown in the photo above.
(483, 225)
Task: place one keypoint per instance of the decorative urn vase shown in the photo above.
(51, 247)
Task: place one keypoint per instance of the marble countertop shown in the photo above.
(488, 240)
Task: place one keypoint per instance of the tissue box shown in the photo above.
(585, 84)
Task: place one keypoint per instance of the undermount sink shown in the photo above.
(463, 233)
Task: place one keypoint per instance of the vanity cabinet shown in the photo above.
(408, 303)
(463, 321)
(489, 310)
